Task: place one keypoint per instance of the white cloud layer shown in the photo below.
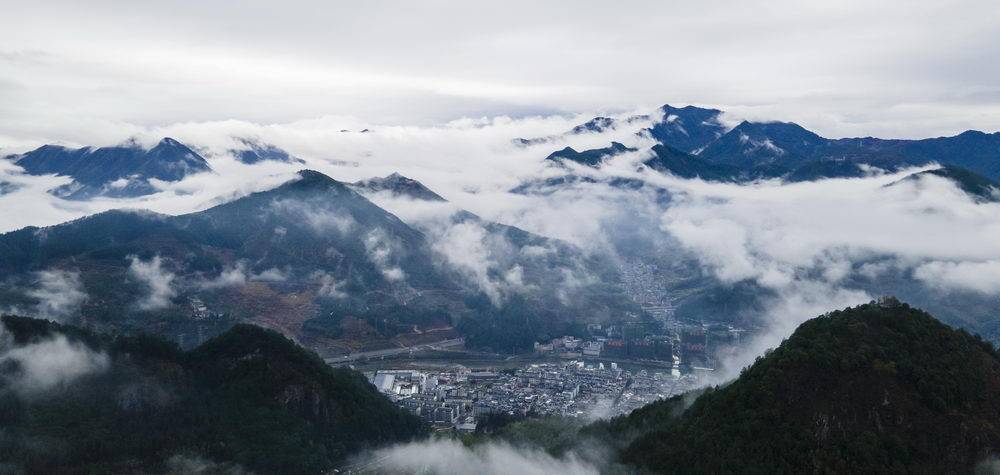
(446, 457)
(47, 364)
(808, 243)
(804, 242)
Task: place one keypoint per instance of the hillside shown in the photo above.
(872, 389)
(248, 398)
(315, 260)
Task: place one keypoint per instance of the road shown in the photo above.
(367, 355)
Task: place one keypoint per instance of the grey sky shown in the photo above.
(846, 68)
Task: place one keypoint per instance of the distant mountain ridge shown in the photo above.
(397, 185)
(120, 171)
(589, 157)
(253, 152)
(701, 145)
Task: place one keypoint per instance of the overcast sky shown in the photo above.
(844, 68)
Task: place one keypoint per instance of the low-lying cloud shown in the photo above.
(978, 276)
(812, 246)
(47, 364)
(60, 294)
(819, 246)
(445, 457)
(159, 282)
(382, 251)
(239, 274)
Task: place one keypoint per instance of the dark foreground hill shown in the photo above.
(248, 398)
(871, 389)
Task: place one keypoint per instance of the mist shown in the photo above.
(47, 364)
(445, 457)
(815, 246)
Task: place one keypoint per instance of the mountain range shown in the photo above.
(131, 170)
(317, 261)
(696, 143)
(121, 171)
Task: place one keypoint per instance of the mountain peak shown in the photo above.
(687, 128)
(99, 171)
(253, 151)
(689, 109)
(314, 177)
(590, 157)
(397, 185)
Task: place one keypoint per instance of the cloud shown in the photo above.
(47, 364)
(981, 276)
(830, 244)
(158, 280)
(238, 275)
(195, 465)
(329, 287)
(59, 62)
(59, 293)
(380, 250)
(840, 238)
(318, 216)
(466, 248)
(452, 457)
(235, 276)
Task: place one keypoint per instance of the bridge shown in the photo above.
(369, 355)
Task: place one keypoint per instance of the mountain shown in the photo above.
(247, 399)
(592, 157)
(667, 159)
(596, 125)
(315, 260)
(761, 143)
(972, 150)
(398, 186)
(253, 152)
(121, 171)
(789, 151)
(878, 388)
(275, 258)
(979, 188)
(521, 285)
(687, 128)
(800, 155)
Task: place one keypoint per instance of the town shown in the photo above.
(461, 398)
(616, 369)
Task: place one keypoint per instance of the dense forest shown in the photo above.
(247, 398)
(872, 389)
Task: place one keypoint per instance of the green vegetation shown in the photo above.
(249, 397)
(872, 389)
